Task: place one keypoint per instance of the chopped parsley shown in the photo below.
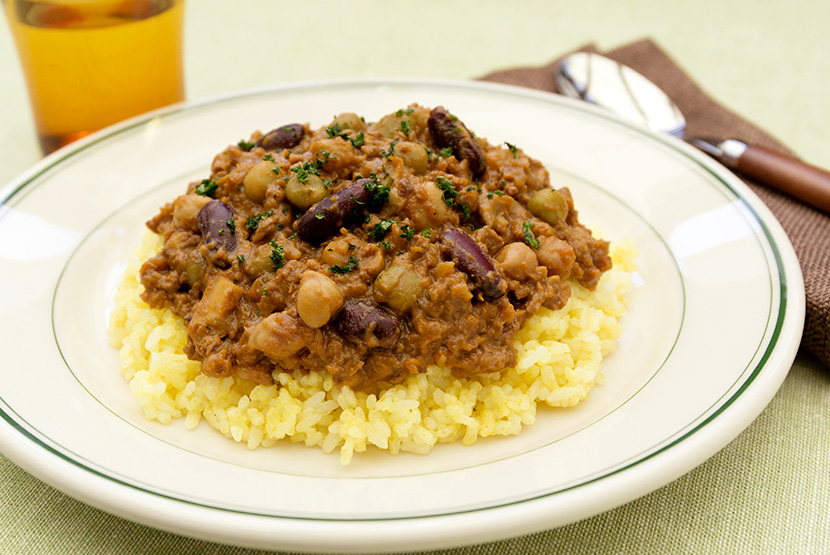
(277, 255)
(386, 245)
(231, 223)
(449, 194)
(245, 145)
(207, 188)
(528, 235)
(391, 150)
(268, 158)
(498, 192)
(350, 267)
(407, 232)
(513, 148)
(426, 232)
(400, 113)
(380, 193)
(445, 152)
(380, 230)
(405, 127)
(252, 223)
(307, 169)
(336, 130)
(240, 258)
(449, 191)
(358, 141)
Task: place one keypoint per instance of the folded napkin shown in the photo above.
(808, 229)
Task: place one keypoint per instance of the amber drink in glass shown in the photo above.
(92, 63)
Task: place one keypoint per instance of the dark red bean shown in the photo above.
(215, 221)
(473, 261)
(343, 208)
(368, 323)
(449, 131)
(287, 136)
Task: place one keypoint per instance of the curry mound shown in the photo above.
(558, 361)
(389, 283)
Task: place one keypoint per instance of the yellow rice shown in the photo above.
(559, 356)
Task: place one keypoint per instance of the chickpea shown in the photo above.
(349, 120)
(186, 208)
(557, 255)
(548, 205)
(414, 156)
(428, 208)
(305, 193)
(337, 252)
(257, 180)
(318, 299)
(398, 286)
(517, 260)
(278, 336)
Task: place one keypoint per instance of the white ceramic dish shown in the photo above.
(714, 324)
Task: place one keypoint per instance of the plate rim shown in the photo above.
(792, 300)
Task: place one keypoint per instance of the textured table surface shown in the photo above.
(769, 490)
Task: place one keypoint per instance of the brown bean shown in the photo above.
(214, 223)
(448, 131)
(368, 323)
(473, 261)
(287, 136)
(344, 207)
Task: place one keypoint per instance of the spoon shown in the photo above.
(607, 83)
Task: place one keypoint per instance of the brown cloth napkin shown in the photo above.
(808, 229)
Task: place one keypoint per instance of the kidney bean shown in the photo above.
(325, 218)
(448, 131)
(213, 221)
(287, 136)
(366, 322)
(473, 261)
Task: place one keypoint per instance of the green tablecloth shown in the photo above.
(766, 492)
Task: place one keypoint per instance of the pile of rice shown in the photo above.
(559, 356)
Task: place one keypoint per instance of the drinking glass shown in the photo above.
(92, 63)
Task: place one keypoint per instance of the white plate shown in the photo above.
(714, 324)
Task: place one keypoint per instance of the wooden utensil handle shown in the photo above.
(789, 175)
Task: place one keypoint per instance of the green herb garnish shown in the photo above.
(391, 150)
(407, 232)
(358, 141)
(207, 188)
(252, 223)
(348, 268)
(449, 191)
(306, 169)
(513, 148)
(528, 235)
(245, 145)
(277, 255)
(380, 230)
